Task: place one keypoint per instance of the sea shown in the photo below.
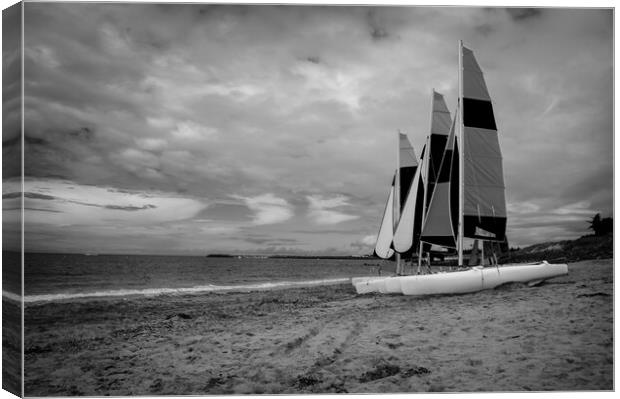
(56, 277)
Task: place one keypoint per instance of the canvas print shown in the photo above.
(219, 199)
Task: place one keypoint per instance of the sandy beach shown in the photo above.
(556, 336)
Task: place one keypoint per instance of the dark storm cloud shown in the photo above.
(41, 210)
(377, 31)
(84, 133)
(323, 231)
(522, 14)
(28, 140)
(485, 29)
(130, 208)
(11, 92)
(11, 141)
(38, 196)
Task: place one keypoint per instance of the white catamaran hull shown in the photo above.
(478, 279)
(366, 285)
(391, 285)
(380, 284)
(473, 280)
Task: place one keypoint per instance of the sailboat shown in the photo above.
(401, 224)
(408, 230)
(406, 176)
(406, 172)
(468, 199)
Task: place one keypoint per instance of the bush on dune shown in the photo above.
(586, 247)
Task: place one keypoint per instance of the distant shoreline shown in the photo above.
(293, 256)
(582, 248)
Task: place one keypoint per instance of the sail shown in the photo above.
(407, 168)
(440, 129)
(442, 215)
(408, 164)
(407, 233)
(383, 247)
(409, 225)
(484, 203)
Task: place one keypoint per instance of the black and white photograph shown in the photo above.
(248, 199)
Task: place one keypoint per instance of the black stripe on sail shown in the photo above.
(454, 189)
(438, 145)
(488, 228)
(478, 113)
(444, 174)
(406, 178)
(417, 226)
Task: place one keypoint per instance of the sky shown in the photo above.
(194, 129)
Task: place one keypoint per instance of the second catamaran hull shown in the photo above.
(473, 280)
(478, 279)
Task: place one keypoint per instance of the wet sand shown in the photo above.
(11, 348)
(556, 336)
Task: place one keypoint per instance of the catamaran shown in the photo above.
(399, 234)
(467, 199)
(406, 176)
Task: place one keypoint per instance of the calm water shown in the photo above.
(62, 276)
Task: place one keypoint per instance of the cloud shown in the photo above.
(94, 206)
(267, 208)
(217, 227)
(270, 241)
(292, 100)
(320, 210)
(130, 208)
(542, 220)
(370, 239)
(365, 245)
(152, 144)
(192, 131)
(521, 14)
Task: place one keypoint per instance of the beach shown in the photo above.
(326, 339)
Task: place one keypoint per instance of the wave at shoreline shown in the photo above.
(166, 291)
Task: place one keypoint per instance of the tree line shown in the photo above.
(601, 226)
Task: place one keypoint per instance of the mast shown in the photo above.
(459, 243)
(397, 196)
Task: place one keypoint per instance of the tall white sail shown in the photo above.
(479, 186)
(407, 233)
(407, 168)
(383, 247)
(484, 203)
(407, 228)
